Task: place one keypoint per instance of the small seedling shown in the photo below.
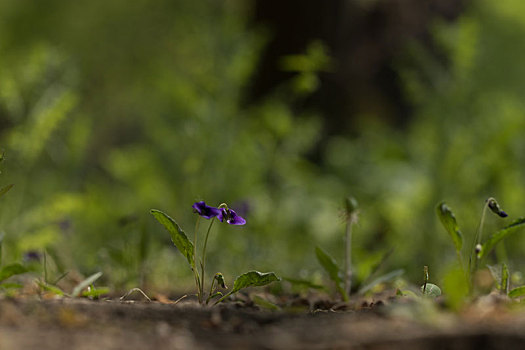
(479, 248)
(429, 289)
(343, 279)
(189, 250)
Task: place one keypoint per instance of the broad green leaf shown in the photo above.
(381, 279)
(11, 270)
(504, 278)
(330, 266)
(85, 283)
(495, 238)
(517, 292)
(252, 279)
(430, 290)
(178, 237)
(448, 220)
(5, 189)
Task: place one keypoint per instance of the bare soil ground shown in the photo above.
(84, 324)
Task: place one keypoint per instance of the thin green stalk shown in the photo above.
(204, 252)
(211, 291)
(477, 240)
(348, 255)
(195, 272)
(223, 297)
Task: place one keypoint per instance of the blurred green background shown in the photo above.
(110, 108)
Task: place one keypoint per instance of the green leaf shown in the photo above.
(517, 292)
(85, 283)
(5, 189)
(381, 279)
(504, 278)
(302, 283)
(448, 220)
(495, 271)
(251, 279)
(50, 288)
(430, 290)
(11, 270)
(257, 300)
(178, 237)
(495, 238)
(11, 286)
(330, 266)
(95, 292)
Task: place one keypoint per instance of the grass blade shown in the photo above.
(85, 283)
(448, 220)
(5, 189)
(504, 279)
(178, 237)
(381, 279)
(330, 266)
(496, 237)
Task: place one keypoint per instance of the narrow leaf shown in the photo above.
(448, 220)
(430, 290)
(495, 271)
(517, 292)
(303, 283)
(253, 278)
(495, 238)
(85, 283)
(264, 303)
(178, 237)
(330, 266)
(7, 286)
(5, 189)
(504, 278)
(50, 288)
(11, 270)
(381, 279)
(96, 292)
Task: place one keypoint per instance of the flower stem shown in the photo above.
(195, 272)
(479, 233)
(348, 256)
(204, 254)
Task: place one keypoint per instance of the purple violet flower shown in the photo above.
(205, 211)
(231, 217)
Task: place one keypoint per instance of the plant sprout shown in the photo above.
(479, 248)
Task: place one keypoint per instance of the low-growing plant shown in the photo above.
(189, 250)
(480, 249)
(343, 277)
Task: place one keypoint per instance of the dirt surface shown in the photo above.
(84, 324)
